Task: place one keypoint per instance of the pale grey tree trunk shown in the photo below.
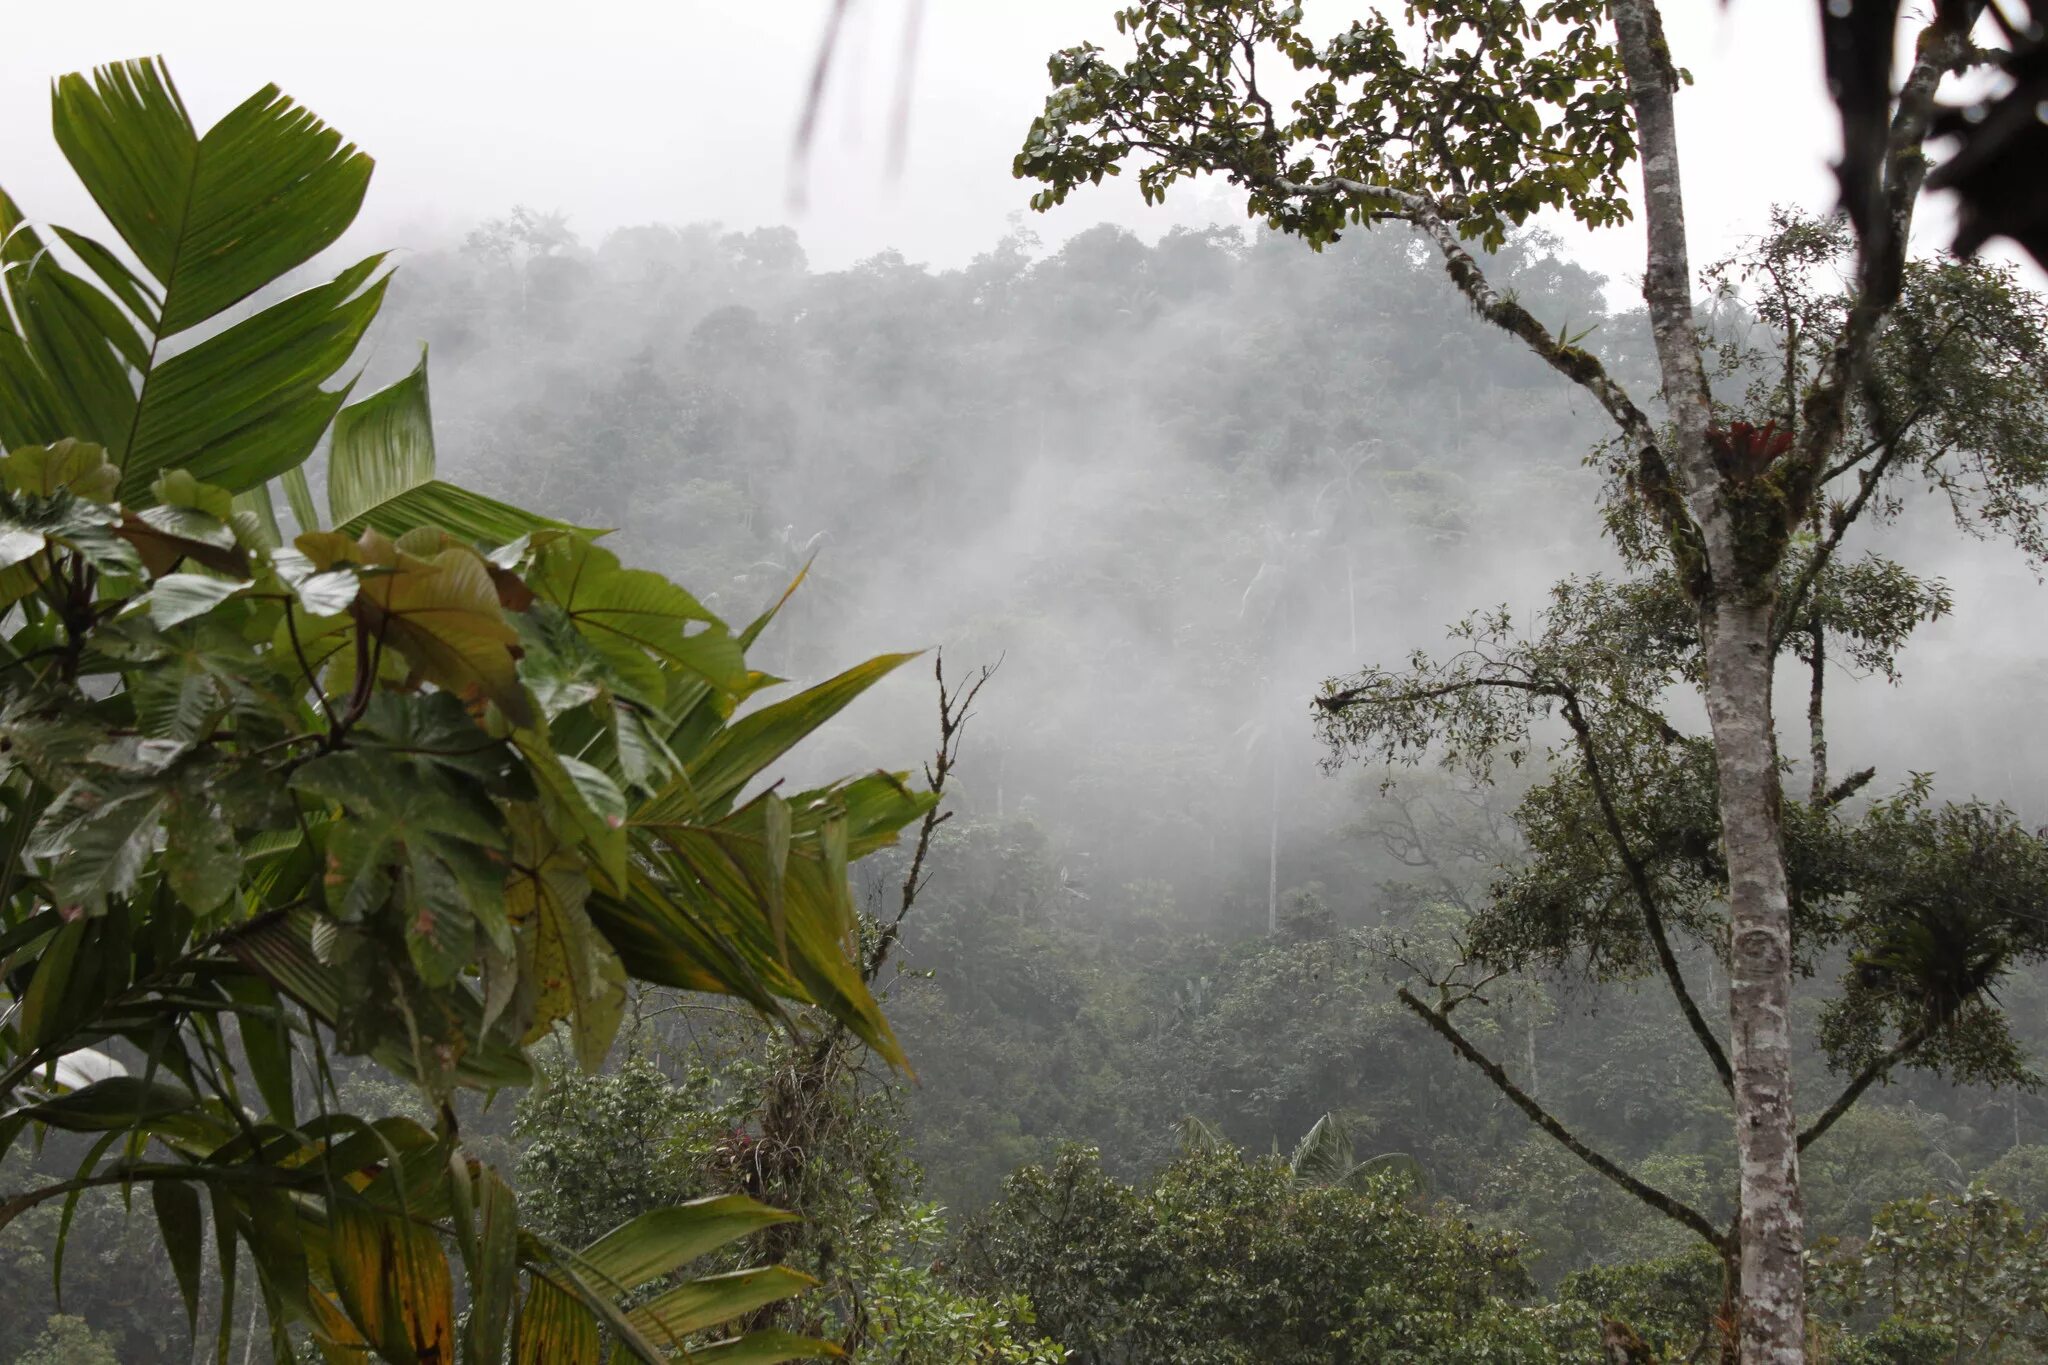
(1736, 617)
(1273, 838)
(1739, 664)
(1816, 717)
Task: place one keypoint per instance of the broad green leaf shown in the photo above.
(745, 748)
(95, 838)
(18, 543)
(763, 1348)
(669, 1317)
(383, 445)
(420, 838)
(175, 488)
(645, 761)
(248, 404)
(442, 613)
(165, 536)
(178, 597)
(80, 467)
(213, 218)
(595, 786)
(380, 473)
(628, 614)
(572, 970)
(202, 861)
(663, 1240)
(63, 521)
(469, 516)
(201, 672)
(178, 1222)
(561, 668)
(435, 729)
(555, 1329)
(327, 593)
(569, 809)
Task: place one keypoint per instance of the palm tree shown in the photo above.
(1324, 1158)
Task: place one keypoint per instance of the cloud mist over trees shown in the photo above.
(1309, 924)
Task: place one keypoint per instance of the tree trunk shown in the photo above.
(1816, 717)
(1273, 842)
(1739, 658)
(1732, 589)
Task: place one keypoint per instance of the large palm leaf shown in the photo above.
(631, 841)
(1324, 1157)
(211, 219)
(381, 473)
(349, 1219)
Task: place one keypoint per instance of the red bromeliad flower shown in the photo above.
(1743, 451)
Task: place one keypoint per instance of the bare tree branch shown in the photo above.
(1646, 895)
(1581, 367)
(1870, 1075)
(1636, 870)
(1670, 1207)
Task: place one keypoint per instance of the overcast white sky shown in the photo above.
(629, 111)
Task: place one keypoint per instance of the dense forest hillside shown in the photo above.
(1169, 487)
(1172, 486)
(1415, 810)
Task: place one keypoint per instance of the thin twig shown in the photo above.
(954, 712)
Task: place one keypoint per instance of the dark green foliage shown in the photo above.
(1971, 1268)
(596, 1150)
(1951, 900)
(1671, 1303)
(1899, 1343)
(1224, 1259)
(1510, 109)
(67, 1340)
